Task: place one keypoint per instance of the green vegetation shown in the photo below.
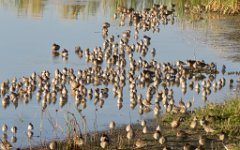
(223, 117)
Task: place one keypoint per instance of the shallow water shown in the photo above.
(27, 31)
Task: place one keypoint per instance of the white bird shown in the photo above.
(30, 126)
(14, 130)
(112, 125)
(4, 128)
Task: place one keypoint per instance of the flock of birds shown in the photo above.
(5, 144)
(120, 66)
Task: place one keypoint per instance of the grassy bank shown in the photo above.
(224, 119)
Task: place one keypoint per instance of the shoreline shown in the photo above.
(175, 138)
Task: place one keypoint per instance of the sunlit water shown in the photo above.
(26, 36)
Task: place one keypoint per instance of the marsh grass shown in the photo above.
(228, 7)
(223, 117)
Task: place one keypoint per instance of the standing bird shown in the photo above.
(223, 136)
(14, 130)
(162, 140)
(140, 143)
(156, 135)
(30, 126)
(112, 125)
(194, 123)
(208, 129)
(145, 130)
(175, 123)
(188, 147)
(52, 145)
(5, 145)
(104, 141)
(4, 128)
(130, 135)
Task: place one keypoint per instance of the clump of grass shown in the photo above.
(222, 6)
(224, 117)
(196, 7)
(225, 7)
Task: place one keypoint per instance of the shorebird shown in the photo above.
(78, 141)
(130, 135)
(104, 141)
(181, 134)
(4, 128)
(162, 140)
(112, 125)
(52, 145)
(5, 145)
(223, 136)
(208, 129)
(128, 127)
(175, 123)
(194, 123)
(30, 126)
(143, 123)
(187, 146)
(140, 143)
(156, 135)
(145, 130)
(55, 47)
(14, 130)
